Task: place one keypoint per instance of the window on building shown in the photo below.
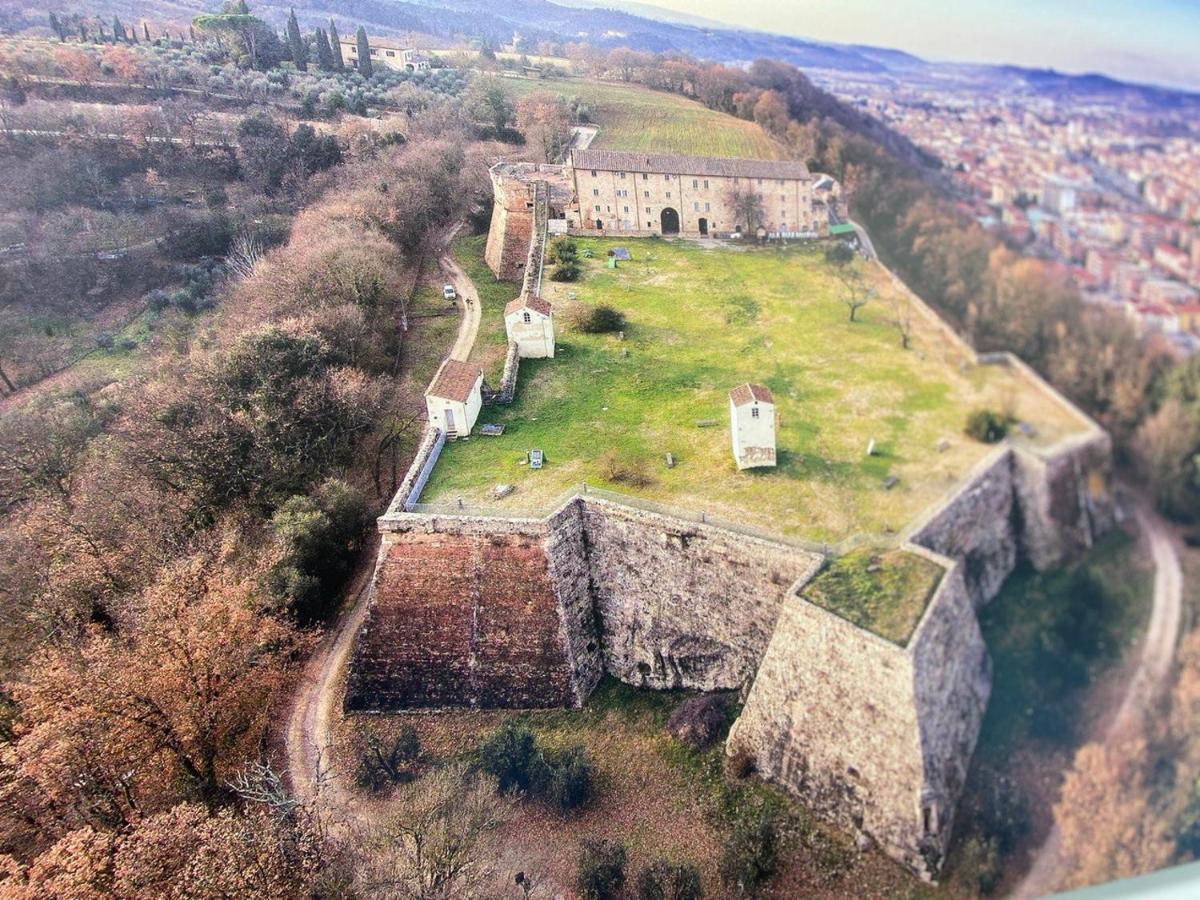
(597, 207)
(645, 177)
(666, 178)
(648, 225)
(621, 174)
(593, 173)
(608, 209)
(646, 194)
(695, 182)
(668, 195)
(760, 181)
(595, 192)
(706, 184)
(627, 209)
(527, 318)
(391, 53)
(707, 207)
(647, 209)
(753, 409)
(696, 206)
(783, 198)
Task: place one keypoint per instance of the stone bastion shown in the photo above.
(510, 612)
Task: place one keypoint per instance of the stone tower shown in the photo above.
(512, 223)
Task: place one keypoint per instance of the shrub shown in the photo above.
(509, 755)
(566, 271)
(751, 853)
(987, 426)
(839, 254)
(563, 250)
(662, 880)
(568, 779)
(979, 864)
(697, 721)
(601, 873)
(615, 467)
(599, 320)
(384, 763)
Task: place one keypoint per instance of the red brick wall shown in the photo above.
(461, 620)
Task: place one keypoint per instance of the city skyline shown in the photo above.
(1152, 43)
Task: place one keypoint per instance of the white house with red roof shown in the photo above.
(455, 397)
(529, 323)
(752, 425)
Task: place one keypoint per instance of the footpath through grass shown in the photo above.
(700, 321)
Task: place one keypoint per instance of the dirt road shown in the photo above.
(1048, 871)
(308, 734)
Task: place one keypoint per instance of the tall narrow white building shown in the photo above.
(752, 425)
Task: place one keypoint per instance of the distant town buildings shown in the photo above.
(1108, 186)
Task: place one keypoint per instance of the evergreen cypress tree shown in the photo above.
(335, 47)
(324, 54)
(56, 26)
(296, 45)
(83, 35)
(146, 31)
(364, 53)
(118, 30)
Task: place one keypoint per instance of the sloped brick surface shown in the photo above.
(461, 620)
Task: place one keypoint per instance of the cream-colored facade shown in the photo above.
(529, 323)
(455, 397)
(646, 193)
(752, 426)
(385, 52)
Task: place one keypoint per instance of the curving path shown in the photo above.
(1154, 667)
(308, 733)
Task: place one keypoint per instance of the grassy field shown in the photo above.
(661, 798)
(883, 592)
(699, 322)
(631, 117)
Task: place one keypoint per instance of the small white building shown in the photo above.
(752, 424)
(529, 323)
(455, 397)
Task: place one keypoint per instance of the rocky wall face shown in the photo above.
(831, 717)
(1064, 500)
(976, 527)
(569, 572)
(682, 605)
(952, 677)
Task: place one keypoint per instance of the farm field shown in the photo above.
(701, 319)
(636, 118)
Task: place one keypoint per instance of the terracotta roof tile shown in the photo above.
(529, 301)
(455, 380)
(671, 164)
(745, 393)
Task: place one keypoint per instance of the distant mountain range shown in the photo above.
(642, 26)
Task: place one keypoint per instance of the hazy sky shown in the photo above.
(1144, 40)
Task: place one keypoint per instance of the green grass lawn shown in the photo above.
(701, 321)
(631, 117)
(491, 346)
(884, 592)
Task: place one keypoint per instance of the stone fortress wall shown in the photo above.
(532, 612)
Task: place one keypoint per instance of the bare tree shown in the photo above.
(855, 292)
(902, 316)
(430, 847)
(747, 206)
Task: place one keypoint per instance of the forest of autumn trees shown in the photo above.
(167, 539)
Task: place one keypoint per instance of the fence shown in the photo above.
(587, 492)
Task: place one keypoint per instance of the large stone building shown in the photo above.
(655, 193)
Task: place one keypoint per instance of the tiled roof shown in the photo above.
(670, 164)
(528, 301)
(455, 380)
(745, 393)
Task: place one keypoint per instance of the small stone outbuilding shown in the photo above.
(455, 397)
(529, 323)
(752, 425)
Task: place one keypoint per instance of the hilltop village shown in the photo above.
(865, 706)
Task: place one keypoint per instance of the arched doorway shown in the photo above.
(599, 225)
(704, 227)
(670, 221)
